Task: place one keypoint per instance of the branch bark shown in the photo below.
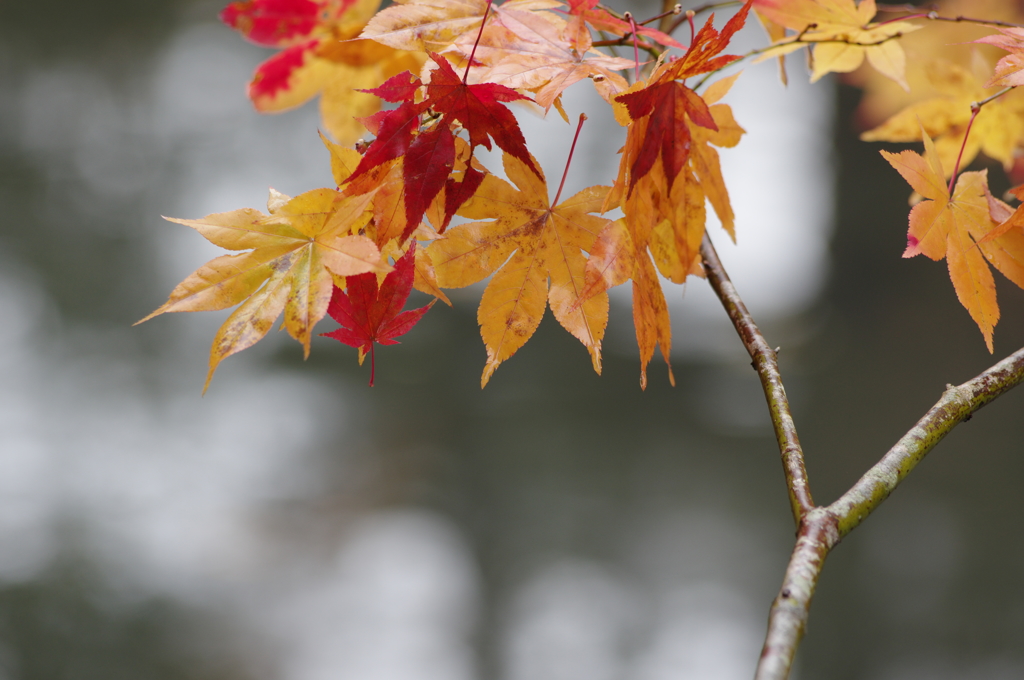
(956, 405)
(765, 361)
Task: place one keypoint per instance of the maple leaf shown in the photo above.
(946, 40)
(294, 252)
(429, 156)
(1004, 244)
(1009, 71)
(320, 56)
(478, 107)
(948, 225)
(369, 314)
(541, 52)
(278, 23)
(669, 169)
(526, 243)
(665, 105)
(997, 131)
(842, 35)
(425, 25)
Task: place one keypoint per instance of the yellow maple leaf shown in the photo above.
(948, 40)
(295, 250)
(526, 243)
(335, 67)
(997, 130)
(841, 34)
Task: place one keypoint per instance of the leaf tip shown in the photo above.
(913, 246)
(156, 312)
(489, 369)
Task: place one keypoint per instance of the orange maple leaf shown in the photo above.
(665, 211)
(949, 226)
(295, 250)
(526, 243)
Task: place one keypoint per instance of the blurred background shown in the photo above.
(295, 524)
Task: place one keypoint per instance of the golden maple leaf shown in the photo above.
(295, 250)
(1004, 244)
(948, 40)
(841, 34)
(336, 68)
(526, 243)
(997, 130)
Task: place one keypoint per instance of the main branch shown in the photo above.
(765, 361)
(821, 528)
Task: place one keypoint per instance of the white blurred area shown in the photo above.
(168, 492)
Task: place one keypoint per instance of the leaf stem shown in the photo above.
(628, 16)
(572, 149)
(963, 145)
(670, 29)
(765, 362)
(373, 362)
(975, 110)
(789, 41)
(675, 11)
(479, 34)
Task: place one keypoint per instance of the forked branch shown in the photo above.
(821, 528)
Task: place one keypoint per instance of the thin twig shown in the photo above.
(765, 362)
(932, 13)
(678, 21)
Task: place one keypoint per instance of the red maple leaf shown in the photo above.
(429, 155)
(478, 108)
(273, 23)
(668, 133)
(370, 315)
(669, 102)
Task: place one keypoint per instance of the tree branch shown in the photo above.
(956, 405)
(765, 362)
(787, 619)
(822, 528)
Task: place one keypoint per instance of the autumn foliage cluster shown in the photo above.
(428, 82)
